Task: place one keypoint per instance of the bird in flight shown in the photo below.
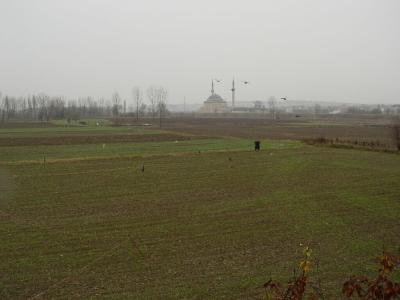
(283, 98)
(246, 82)
(218, 80)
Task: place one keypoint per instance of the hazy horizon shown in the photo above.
(337, 51)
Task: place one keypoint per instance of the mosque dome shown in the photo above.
(215, 98)
(214, 103)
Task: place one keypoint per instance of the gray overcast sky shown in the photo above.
(338, 50)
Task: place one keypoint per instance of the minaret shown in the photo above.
(233, 93)
(212, 87)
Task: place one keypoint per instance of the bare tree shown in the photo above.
(34, 107)
(161, 96)
(138, 99)
(2, 113)
(152, 96)
(116, 104)
(6, 107)
(44, 108)
(272, 106)
(142, 109)
(43, 101)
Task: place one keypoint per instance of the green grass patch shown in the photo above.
(60, 131)
(59, 152)
(88, 121)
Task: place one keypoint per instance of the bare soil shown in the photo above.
(361, 129)
(90, 139)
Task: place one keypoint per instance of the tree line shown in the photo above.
(42, 107)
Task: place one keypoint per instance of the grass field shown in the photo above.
(214, 224)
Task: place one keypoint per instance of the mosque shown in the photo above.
(214, 103)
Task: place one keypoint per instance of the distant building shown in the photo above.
(214, 103)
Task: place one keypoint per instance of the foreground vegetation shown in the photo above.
(210, 225)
